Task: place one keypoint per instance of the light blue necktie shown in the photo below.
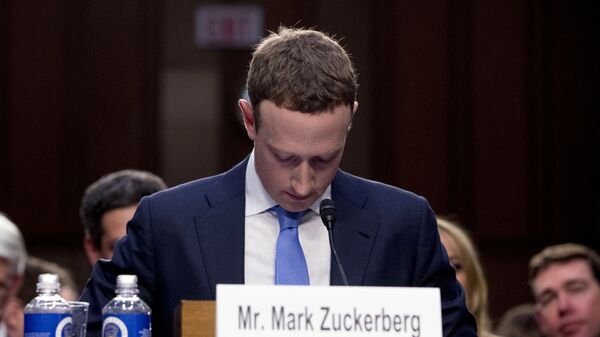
(290, 264)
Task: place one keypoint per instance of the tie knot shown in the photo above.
(288, 219)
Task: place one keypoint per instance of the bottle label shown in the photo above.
(48, 325)
(126, 325)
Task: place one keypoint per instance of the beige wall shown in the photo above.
(190, 102)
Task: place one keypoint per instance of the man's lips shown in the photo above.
(297, 197)
(570, 328)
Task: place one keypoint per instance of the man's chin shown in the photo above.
(294, 204)
(574, 329)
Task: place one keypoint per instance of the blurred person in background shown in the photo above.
(36, 266)
(565, 282)
(108, 204)
(463, 256)
(519, 321)
(13, 257)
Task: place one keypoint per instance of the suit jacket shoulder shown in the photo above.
(180, 243)
(390, 236)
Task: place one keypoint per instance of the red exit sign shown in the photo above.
(228, 26)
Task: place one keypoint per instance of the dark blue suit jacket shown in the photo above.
(185, 240)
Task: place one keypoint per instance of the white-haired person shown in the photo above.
(13, 258)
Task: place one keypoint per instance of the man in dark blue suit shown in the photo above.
(184, 241)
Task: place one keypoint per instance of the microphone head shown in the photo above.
(327, 212)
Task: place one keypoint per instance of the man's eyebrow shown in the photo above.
(277, 150)
(330, 154)
(567, 283)
(577, 281)
(544, 292)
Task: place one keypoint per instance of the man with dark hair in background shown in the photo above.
(565, 281)
(184, 241)
(108, 204)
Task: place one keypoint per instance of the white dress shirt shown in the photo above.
(262, 230)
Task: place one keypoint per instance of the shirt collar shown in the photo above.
(257, 198)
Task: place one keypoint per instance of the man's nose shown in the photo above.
(564, 304)
(303, 179)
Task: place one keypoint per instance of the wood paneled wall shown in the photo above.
(488, 109)
(80, 100)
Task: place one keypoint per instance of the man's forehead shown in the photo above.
(559, 273)
(341, 106)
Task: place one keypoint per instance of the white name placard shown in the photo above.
(269, 311)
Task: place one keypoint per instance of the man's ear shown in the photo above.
(248, 114)
(90, 250)
(354, 109)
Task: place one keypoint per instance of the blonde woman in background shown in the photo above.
(463, 256)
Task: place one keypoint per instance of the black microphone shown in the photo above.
(327, 212)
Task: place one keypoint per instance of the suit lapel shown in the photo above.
(220, 229)
(354, 232)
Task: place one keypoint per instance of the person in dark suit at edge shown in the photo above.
(185, 240)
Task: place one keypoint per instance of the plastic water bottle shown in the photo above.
(126, 314)
(48, 314)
